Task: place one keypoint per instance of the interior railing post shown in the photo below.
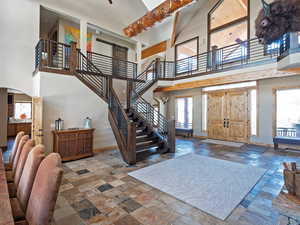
(108, 86)
(171, 136)
(73, 58)
(157, 68)
(131, 143)
(129, 93)
(214, 57)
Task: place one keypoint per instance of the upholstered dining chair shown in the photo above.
(12, 187)
(44, 192)
(19, 203)
(8, 166)
(10, 174)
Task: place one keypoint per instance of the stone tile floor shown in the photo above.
(98, 190)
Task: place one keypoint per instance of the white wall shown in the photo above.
(67, 98)
(19, 22)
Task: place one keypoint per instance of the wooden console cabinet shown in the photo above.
(14, 128)
(73, 144)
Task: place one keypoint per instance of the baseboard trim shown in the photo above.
(104, 149)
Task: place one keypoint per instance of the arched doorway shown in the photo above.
(16, 114)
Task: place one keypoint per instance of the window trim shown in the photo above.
(224, 26)
(274, 103)
(176, 110)
(175, 49)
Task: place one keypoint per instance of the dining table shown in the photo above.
(6, 216)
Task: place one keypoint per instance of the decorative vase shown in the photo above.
(59, 124)
(87, 124)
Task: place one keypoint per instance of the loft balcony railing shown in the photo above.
(53, 55)
(246, 53)
(113, 66)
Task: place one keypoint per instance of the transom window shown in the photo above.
(228, 23)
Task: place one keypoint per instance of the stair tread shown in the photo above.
(146, 146)
(146, 139)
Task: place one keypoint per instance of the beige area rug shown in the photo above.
(211, 185)
(219, 142)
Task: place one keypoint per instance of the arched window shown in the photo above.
(228, 23)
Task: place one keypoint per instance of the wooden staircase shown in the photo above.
(139, 129)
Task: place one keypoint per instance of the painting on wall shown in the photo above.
(72, 34)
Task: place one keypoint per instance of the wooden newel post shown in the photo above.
(214, 57)
(171, 136)
(131, 144)
(109, 85)
(129, 93)
(157, 68)
(73, 58)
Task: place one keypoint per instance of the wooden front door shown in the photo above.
(237, 116)
(216, 112)
(37, 120)
(228, 116)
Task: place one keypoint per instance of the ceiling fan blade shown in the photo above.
(110, 1)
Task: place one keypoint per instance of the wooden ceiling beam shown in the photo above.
(155, 49)
(174, 30)
(161, 12)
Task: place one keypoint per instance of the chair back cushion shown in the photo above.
(32, 164)
(44, 192)
(15, 146)
(29, 145)
(23, 141)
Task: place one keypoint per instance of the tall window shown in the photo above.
(184, 112)
(186, 56)
(288, 113)
(228, 25)
(23, 110)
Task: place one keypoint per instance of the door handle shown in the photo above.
(227, 123)
(224, 124)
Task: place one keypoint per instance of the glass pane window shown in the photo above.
(184, 112)
(227, 11)
(233, 34)
(186, 56)
(288, 113)
(23, 110)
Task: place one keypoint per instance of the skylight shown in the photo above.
(151, 4)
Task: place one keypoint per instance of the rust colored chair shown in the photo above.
(12, 187)
(44, 192)
(10, 174)
(19, 204)
(8, 166)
